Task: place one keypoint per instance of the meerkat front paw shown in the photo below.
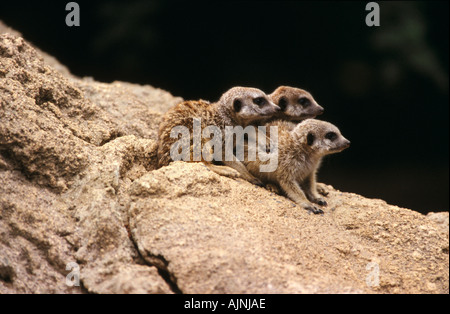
(253, 180)
(273, 188)
(257, 182)
(311, 208)
(321, 189)
(320, 201)
(223, 171)
(234, 174)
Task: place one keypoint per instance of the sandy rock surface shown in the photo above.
(78, 185)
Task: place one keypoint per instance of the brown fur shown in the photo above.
(221, 114)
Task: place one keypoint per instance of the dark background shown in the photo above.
(385, 87)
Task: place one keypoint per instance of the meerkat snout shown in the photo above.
(320, 110)
(346, 143)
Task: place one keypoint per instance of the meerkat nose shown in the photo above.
(321, 110)
(347, 143)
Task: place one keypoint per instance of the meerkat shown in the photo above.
(300, 149)
(296, 104)
(239, 106)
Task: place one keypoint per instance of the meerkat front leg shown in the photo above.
(295, 193)
(317, 187)
(223, 170)
(310, 189)
(273, 188)
(220, 170)
(244, 173)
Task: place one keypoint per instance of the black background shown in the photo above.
(385, 87)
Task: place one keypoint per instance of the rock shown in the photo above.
(59, 176)
(79, 186)
(204, 241)
(48, 59)
(35, 237)
(442, 219)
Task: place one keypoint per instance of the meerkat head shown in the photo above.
(320, 137)
(248, 105)
(296, 104)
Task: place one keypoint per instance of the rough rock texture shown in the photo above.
(78, 184)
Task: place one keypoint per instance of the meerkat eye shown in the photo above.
(237, 105)
(310, 139)
(331, 136)
(282, 103)
(259, 101)
(304, 102)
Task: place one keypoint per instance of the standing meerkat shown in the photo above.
(296, 104)
(300, 150)
(239, 106)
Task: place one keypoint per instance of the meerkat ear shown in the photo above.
(282, 103)
(237, 105)
(310, 139)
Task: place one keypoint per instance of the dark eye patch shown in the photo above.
(282, 103)
(259, 101)
(310, 139)
(331, 136)
(237, 105)
(305, 102)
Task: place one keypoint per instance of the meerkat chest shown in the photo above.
(300, 167)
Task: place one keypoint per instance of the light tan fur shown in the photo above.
(301, 148)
